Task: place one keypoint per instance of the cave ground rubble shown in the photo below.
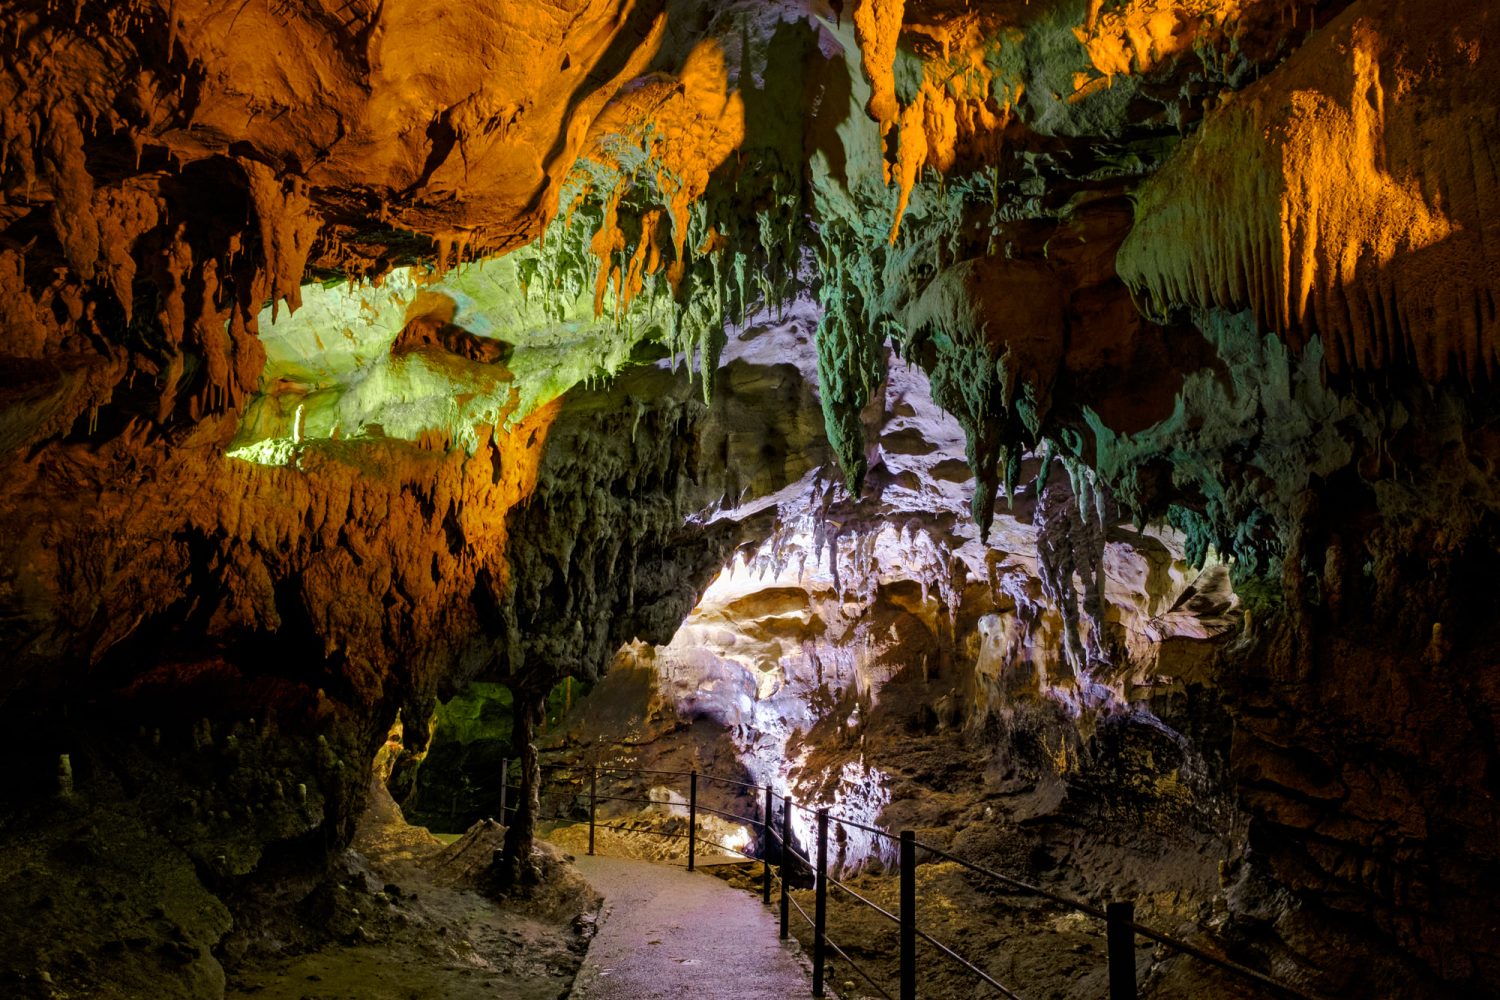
(434, 932)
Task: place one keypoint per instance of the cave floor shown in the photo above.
(671, 933)
(432, 934)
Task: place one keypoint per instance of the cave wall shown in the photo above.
(863, 627)
(1214, 279)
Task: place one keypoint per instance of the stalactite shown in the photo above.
(1358, 180)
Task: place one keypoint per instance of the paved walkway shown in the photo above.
(671, 933)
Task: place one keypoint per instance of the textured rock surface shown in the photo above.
(775, 197)
(847, 592)
(1351, 195)
(872, 654)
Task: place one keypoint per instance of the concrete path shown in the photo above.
(671, 933)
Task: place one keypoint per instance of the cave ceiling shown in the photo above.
(1159, 244)
(1111, 233)
(351, 350)
(958, 178)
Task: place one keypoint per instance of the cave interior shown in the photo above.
(1066, 429)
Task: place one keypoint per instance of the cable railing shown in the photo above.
(1118, 916)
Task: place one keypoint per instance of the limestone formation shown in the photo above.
(1002, 416)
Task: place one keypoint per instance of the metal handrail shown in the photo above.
(861, 826)
(709, 776)
(730, 816)
(966, 964)
(630, 798)
(1227, 964)
(1017, 884)
(856, 967)
(1118, 917)
(801, 912)
(874, 906)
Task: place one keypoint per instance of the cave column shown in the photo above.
(528, 706)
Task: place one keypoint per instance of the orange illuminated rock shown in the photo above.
(1119, 238)
(689, 124)
(1137, 36)
(1350, 195)
(877, 26)
(461, 119)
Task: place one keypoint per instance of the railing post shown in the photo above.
(908, 914)
(692, 819)
(765, 850)
(504, 781)
(1119, 939)
(593, 803)
(786, 863)
(820, 904)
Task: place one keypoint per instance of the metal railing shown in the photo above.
(1118, 916)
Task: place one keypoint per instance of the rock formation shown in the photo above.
(1132, 359)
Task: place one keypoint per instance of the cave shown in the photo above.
(1015, 483)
